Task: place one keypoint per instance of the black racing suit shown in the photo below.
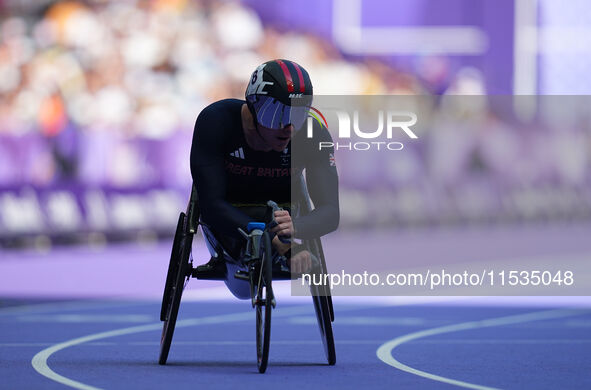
(230, 176)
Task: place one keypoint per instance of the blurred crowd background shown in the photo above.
(98, 101)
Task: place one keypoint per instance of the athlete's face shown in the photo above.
(277, 139)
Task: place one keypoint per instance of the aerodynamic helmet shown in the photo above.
(279, 93)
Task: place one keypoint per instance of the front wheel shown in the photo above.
(264, 305)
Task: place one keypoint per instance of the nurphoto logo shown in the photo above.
(389, 124)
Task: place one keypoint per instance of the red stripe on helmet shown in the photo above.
(287, 75)
(300, 77)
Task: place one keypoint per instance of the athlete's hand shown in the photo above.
(301, 262)
(284, 226)
(279, 246)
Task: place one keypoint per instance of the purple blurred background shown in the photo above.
(98, 101)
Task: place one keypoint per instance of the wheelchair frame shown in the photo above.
(180, 270)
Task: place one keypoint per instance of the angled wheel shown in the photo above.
(173, 296)
(323, 289)
(322, 309)
(173, 266)
(264, 305)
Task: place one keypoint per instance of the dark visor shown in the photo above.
(273, 114)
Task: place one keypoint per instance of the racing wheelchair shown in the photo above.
(255, 270)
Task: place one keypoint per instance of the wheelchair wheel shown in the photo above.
(264, 305)
(323, 315)
(326, 287)
(172, 267)
(173, 302)
(323, 308)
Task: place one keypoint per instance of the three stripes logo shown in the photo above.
(238, 153)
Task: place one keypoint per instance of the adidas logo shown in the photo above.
(238, 153)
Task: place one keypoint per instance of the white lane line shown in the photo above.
(65, 306)
(504, 341)
(313, 342)
(40, 365)
(384, 352)
(203, 343)
(50, 344)
(275, 342)
(25, 344)
(92, 318)
(363, 320)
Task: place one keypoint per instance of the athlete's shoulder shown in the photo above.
(226, 108)
(222, 116)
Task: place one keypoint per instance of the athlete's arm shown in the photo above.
(207, 169)
(323, 187)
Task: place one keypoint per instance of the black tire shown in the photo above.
(264, 306)
(323, 315)
(183, 268)
(173, 265)
(326, 290)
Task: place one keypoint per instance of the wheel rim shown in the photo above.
(259, 335)
(263, 302)
(175, 300)
(325, 326)
(172, 268)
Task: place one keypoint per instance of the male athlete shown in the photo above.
(241, 157)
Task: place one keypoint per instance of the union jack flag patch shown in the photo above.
(331, 160)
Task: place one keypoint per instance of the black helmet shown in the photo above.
(279, 93)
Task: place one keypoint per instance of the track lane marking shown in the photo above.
(90, 304)
(88, 318)
(384, 352)
(312, 342)
(40, 364)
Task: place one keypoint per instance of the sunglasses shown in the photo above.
(273, 114)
